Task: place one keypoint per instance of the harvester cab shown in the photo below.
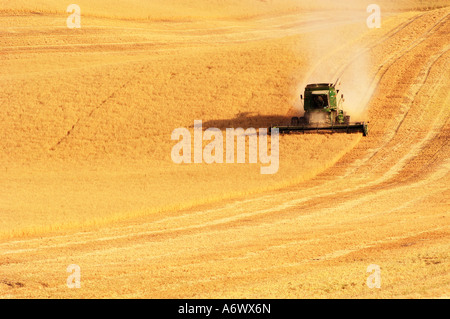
(322, 104)
(323, 111)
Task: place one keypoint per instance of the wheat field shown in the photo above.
(87, 178)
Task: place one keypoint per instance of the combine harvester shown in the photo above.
(323, 112)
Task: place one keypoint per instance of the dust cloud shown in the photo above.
(333, 58)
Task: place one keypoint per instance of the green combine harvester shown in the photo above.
(323, 113)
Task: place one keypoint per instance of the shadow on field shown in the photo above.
(246, 120)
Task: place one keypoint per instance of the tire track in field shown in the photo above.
(382, 71)
(265, 219)
(100, 105)
(302, 203)
(341, 70)
(77, 254)
(317, 259)
(395, 31)
(287, 205)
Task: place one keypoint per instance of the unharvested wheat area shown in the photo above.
(87, 178)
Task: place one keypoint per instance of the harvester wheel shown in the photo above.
(294, 121)
(302, 121)
(347, 120)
